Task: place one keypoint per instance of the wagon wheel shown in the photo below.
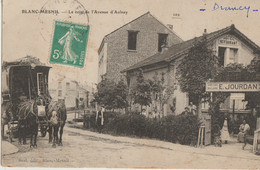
(10, 132)
(2, 127)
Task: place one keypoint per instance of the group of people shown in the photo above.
(190, 110)
(243, 132)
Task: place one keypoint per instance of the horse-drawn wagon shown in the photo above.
(25, 97)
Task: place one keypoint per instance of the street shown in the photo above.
(82, 148)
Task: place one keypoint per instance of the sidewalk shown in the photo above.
(8, 148)
(231, 150)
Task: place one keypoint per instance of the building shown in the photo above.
(131, 43)
(230, 45)
(73, 93)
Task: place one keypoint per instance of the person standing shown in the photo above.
(192, 108)
(100, 119)
(224, 132)
(244, 130)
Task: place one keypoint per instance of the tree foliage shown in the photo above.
(161, 91)
(196, 68)
(112, 95)
(254, 66)
(120, 95)
(232, 72)
(141, 92)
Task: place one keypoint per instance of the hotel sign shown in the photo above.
(233, 86)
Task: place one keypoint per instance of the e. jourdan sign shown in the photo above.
(233, 86)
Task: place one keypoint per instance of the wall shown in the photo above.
(181, 98)
(170, 81)
(102, 65)
(245, 53)
(69, 94)
(119, 57)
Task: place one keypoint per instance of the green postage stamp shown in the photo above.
(69, 44)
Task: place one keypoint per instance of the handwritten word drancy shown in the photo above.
(231, 8)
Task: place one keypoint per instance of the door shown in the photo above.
(206, 121)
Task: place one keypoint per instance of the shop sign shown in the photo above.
(233, 86)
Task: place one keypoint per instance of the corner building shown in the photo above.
(230, 45)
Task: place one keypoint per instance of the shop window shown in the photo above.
(132, 40)
(162, 40)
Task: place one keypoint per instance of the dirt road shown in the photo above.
(82, 148)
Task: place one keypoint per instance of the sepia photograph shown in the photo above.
(137, 84)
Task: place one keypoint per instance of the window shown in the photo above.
(59, 85)
(237, 101)
(227, 55)
(67, 85)
(132, 40)
(40, 83)
(221, 55)
(162, 40)
(59, 93)
(233, 55)
(7, 80)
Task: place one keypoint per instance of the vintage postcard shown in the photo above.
(163, 84)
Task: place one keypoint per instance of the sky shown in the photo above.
(31, 34)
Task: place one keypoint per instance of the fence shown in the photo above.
(80, 114)
(255, 142)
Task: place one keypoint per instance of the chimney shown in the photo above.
(205, 32)
(170, 26)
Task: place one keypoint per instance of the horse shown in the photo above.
(57, 116)
(28, 122)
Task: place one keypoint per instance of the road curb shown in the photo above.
(208, 150)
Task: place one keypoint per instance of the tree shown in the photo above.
(161, 91)
(254, 66)
(141, 91)
(110, 94)
(120, 94)
(199, 66)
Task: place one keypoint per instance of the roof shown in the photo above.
(178, 50)
(147, 13)
(25, 61)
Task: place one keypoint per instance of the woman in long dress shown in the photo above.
(224, 132)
